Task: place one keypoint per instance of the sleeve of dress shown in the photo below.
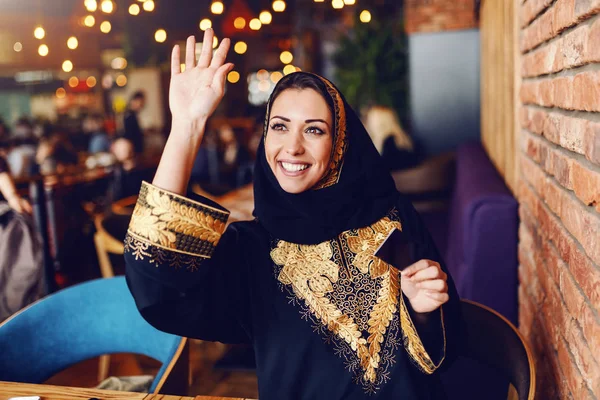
(433, 340)
(184, 272)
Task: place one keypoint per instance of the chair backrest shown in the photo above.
(493, 340)
(78, 323)
(106, 242)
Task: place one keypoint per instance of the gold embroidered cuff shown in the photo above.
(413, 344)
(173, 222)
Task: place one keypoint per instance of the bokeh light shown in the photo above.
(255, 24)
(91, 81)
(18, 47)
(73, 81)
(43, 50)
(121, 80)
(217, 7)
(233, 77)
(134, 9)
(72, 43)
(148, 5)
(205, 24)
(288, 69)
(107, 6)
(105, 27)
(61, 93)
(265, 17)
(240, 47)
(67, 66)
(39, 33)
(279, 6)
(239, 23)
(89, 21)
(160, 35)
(286, 57)
(365, 16)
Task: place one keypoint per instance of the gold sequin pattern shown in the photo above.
(175, 223)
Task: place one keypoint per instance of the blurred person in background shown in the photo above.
(21, 157)
(9, 191)
(4, 131)
(131, 124)
(124, 151)
(99, 140)
(55, 154)
(391, 141)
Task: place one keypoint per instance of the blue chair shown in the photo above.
(78, 323)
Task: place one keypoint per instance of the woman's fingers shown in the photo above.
(190, 53)
(206, 54)
(220, 75)
(438, 285)
(176, 60)
(221, 53)
(432, 272)
(441, 297)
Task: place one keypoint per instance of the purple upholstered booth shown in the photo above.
(480, 250)
(483, 234)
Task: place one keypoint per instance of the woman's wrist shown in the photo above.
(188, 127)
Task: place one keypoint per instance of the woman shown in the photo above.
(326, 318)
(391, 141)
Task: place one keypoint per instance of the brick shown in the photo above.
(563, 92)
(586, 91)
(592, 143)
(586, 185)
(591, 329)
(563, 15)
(561, 168)
(583, 357)
(531, 9)
(593, 54)
(532, 148)
(552, 128)
(583, 225)
(586, 8)
(529, 92)
(571, 372)
(572, 133)
(546, 93)
(574, 46)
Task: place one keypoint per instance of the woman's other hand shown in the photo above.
(20, 205)
(195, 93)
(424, 284)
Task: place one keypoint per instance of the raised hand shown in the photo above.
(195, 93)
(424, 284)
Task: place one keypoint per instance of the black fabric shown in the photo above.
(133, 132)
(364, 193)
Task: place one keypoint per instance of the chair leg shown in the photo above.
(103, 367)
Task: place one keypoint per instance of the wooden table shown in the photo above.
(48, 392)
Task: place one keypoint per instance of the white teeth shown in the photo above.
(294, 167)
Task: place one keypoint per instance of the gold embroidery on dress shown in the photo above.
(414, 345)
(354, 295)
(158, 256)
(175, 223)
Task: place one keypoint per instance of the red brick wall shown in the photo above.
(439, 15)
(559, 193)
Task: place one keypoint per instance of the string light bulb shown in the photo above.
(255, 24)
(107, 6)
(39, 33)
(265, 17)
(121, 80)
(67, 66)
(148, 5)
(365, 16)
(286, 57)
(91, 5)
(217, 7)
(160, 35)
(233, 77)
(240, 47)
(279, 6)
(105, 27)
(337, 4)
(205, 24)
(72, 43)
(134, 9)
(89, 21)
(288, 69)
(43, 50)
(239, 23)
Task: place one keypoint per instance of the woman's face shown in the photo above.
(299, 139)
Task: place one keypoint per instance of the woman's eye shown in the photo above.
(278, 127)
(314, 130)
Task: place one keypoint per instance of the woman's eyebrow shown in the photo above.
(308, 121)
(283, 118)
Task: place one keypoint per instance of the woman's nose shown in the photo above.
(293, 145)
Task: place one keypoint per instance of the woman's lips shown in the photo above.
(293, 169)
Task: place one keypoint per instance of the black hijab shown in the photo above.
(356, 191)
